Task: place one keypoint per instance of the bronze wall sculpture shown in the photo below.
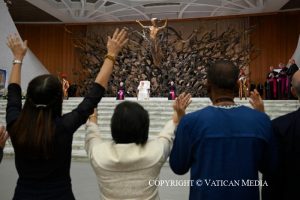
(187, 49)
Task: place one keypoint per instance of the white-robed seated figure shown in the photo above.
(143, 90)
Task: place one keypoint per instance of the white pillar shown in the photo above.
(296, 55)
(32, 67)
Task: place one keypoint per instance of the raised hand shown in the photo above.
(180, 105)
(256, 101)
(18, 48)
(93, 117)
(116, 43)
(3, 136)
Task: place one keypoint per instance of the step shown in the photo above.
(159, 109)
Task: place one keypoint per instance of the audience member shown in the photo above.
(271, 84)
(172, 91)
(128, 165)
(284, 181)
(223, 144)
(282, 82)
(40, 134)
(121, 91)
(3, 138)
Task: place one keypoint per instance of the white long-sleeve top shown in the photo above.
(125, 170)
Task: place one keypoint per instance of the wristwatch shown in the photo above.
(15, 61)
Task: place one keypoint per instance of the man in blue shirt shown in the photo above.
(224, 145)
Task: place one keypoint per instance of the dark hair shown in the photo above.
(34, 129)
(130, 123)
(223, 74)
(72, 90)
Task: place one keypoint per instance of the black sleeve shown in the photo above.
(73, 120)
(1, 154)
(14, 103)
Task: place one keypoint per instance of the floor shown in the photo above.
(84, 182)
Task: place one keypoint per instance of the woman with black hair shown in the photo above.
(128, 166)
(40, 134)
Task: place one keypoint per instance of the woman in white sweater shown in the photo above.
(127, 165)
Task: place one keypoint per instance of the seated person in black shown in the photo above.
(40, 134)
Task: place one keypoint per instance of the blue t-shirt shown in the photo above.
(225, 148)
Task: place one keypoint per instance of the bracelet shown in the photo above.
(112, 58)
(16, 61)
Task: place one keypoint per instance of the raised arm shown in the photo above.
(180, 105)
(165, 25)
(166, 136)
(141, 24)
(114, 45)
(93, 137)
(79, 115)
(18, 49)
(256, 101)
(14, 95)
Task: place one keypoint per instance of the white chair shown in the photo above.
(143, 90)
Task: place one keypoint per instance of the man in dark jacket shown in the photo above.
(287, 130)
(283, 182)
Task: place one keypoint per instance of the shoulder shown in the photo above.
(285, 119)
(256, 115)
(192, 119)
(199, 113)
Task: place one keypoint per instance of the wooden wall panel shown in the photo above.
(275, 37)
(52, 44)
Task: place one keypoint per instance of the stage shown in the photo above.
(160, 111)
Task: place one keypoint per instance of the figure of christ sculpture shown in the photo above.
(156, 51)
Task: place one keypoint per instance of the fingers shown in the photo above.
(121, 35)
(3, 136)
(9, 41)
(183, 100)
(125, 42)
(251, 102)
(116, 33)
(15, 41)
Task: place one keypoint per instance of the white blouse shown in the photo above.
(125, 170)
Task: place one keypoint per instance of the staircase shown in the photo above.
(160, 111)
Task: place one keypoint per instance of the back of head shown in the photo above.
(34, 129)
(45, 91)
(223, 74)
(130, 123)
